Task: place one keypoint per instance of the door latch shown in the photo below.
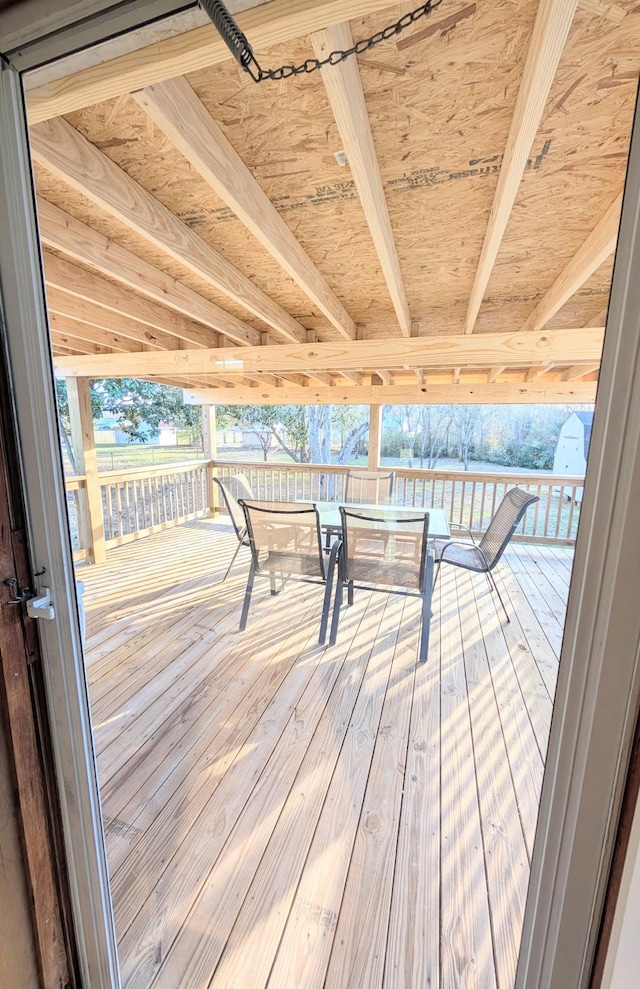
(41, 606)
(38, 605)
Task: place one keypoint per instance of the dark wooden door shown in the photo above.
(31, 783)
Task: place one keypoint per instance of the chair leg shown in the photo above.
(350, 593)
(335, 550)
(247, 598)
(233, 560)
(427, 602)
(494, 587)
(437, 571)
(335, 618)
(426, 628)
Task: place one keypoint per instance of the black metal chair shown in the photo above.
(369, 487)
(393, 550)
(482, 557)
(232, 488)
(286, 542)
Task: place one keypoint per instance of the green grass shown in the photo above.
(119, 456)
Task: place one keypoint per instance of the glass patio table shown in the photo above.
(329, 512)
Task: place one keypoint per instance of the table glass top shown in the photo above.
(329, 512)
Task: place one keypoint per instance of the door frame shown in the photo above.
(599, 683)
(31, 373)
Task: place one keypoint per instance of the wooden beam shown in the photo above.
(65, 233)
(84, 450)
(598, 246)
(494, 374)
(550, 31)
(178, 112)
(375, 436)
(344, 89)
(500, 394)
(267, 25)
(63, 151)
(77, 293)
(483, 350)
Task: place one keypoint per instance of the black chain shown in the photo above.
(243, 52)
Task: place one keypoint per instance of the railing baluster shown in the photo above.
(141, 500)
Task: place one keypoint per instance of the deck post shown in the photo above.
(375, 436)
(210, 451)
(83, 442)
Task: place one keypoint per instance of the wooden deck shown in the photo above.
(279, 814)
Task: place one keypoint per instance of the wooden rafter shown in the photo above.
(61, 343)
(499, 394)
(178, 112)
(79, 310)
(600, 319)
(344, 89)
(578, 371)
(598, 246)
(75, 331)
(63, 232)
(79, 286)
(61, 149)
(385, 376)
(537, 371)
(582, 346)
(266, 25)
(550, 32)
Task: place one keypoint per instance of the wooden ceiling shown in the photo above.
(198, 228)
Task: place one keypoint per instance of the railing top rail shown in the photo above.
(412, 472)
(75, 481)
(112, 476)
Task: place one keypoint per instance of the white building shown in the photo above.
(573, 445)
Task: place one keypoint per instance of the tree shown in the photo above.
(428, 426)
(352, 421)
(467, 420)
(135, 404)
(284, 423)
(305, 433)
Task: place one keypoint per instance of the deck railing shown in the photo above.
(140, 501)
(466, 496)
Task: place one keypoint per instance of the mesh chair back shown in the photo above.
(369, 487)
(233, 488)
(504, 524)
(383, 548)
(285, 538)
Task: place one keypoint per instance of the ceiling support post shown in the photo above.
(375, 436)
(83, 443)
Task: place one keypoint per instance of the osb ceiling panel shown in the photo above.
(440, 99)
(583, 145)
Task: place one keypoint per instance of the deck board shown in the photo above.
(286, 815)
